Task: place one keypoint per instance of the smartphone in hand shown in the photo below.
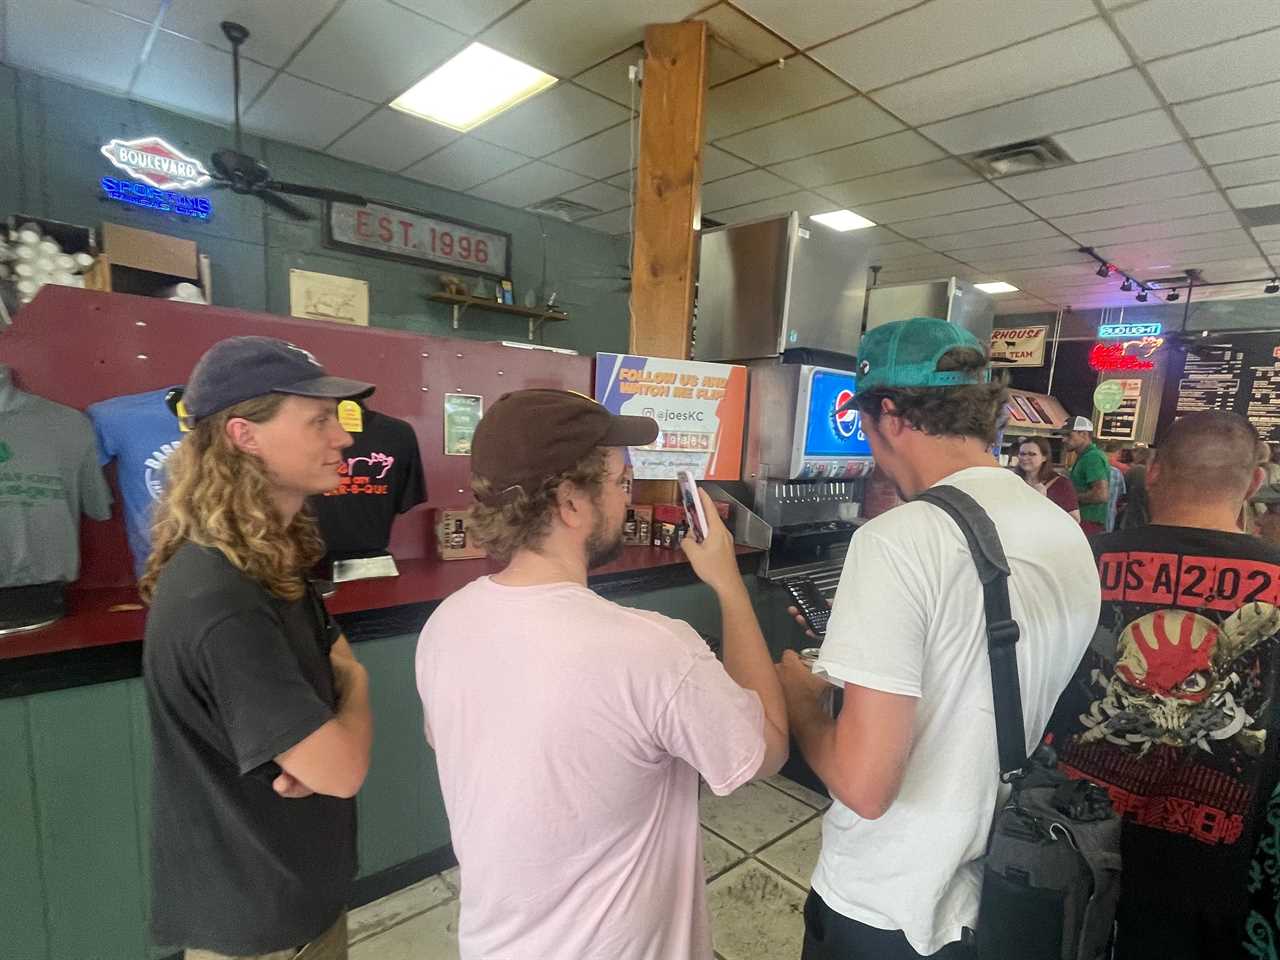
(811, 603)
(692, 504)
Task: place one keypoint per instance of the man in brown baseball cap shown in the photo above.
(570, 732)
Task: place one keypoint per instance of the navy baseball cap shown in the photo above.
(241, 368)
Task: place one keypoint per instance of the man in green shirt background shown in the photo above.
(1091, 476)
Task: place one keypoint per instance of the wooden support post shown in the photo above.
(667, 202)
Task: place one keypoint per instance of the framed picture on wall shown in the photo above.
(413, 236)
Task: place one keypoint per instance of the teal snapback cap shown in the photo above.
(905, 353)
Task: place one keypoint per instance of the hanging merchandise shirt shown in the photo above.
(381, 477)
(140, 433)
(49, 475)
(1173, 711)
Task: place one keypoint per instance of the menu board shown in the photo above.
(1122, 423)
(1240, 374)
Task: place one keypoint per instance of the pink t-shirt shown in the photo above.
(569, 734)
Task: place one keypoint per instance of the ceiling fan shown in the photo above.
(237, 171)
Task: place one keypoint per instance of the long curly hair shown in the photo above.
(216, 495)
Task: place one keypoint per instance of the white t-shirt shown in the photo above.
(570, 733)
(908, 619)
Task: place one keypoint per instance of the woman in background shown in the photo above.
(1035, 465)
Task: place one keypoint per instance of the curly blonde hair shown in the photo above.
(522, 523)
(216, 495)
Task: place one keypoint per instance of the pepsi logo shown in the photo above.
(845, 422)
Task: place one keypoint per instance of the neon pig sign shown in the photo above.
(160, 170)
(1126, 355)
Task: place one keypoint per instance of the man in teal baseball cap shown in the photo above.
(911, 761)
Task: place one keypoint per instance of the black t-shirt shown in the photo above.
(1173, 709)
(381, 477)
(234, 677)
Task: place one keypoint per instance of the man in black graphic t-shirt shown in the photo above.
(381, 476)
(1173, 708)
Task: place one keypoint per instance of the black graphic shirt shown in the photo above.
(381, 477)
(1173, 708)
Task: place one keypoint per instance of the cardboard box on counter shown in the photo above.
(453, 537)
(147, 250)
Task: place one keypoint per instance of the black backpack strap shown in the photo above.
(1002, 632)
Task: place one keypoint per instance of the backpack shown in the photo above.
(1051, 876)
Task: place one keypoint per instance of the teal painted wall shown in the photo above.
(52, 168)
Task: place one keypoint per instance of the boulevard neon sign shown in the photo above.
(1128, 331)
(157, 163)
(162, 201)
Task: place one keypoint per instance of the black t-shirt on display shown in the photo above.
(235, 676)
(381, 477)
(1173, 710)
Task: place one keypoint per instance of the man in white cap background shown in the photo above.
(260, 718)
(1091, 475)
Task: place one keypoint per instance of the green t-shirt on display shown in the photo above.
(1090, 467)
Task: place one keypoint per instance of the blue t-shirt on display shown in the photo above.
(139, 432)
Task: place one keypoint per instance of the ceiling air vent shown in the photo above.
(564, 209)
(1027, 156)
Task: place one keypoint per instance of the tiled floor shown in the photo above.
(759, 846)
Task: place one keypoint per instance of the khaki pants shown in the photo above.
(330, 945)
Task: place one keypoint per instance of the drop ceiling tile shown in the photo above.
(1217, 69)
(467, 16)
(302, 112)
(139, 9)
(1010, 307)
(1188, 206)
(1018, 71)
(744, 35)
(600, 155)
(802, 202)
(1140, 260)
(619, 221)
(392, 140)
(820, 21)
(899, 251)
(564, 38)
(1007, 213)
(901, 183)
(1011, 264)
(897, 150)
(63, 38)
(1033, 230)
(743, 188)
(623, 180)
(908, 45)
(1103, 98)
(465, 163)
(601, 196)
(1150, 129)
(768, 95)
(1269, 232)
(275, 28)
(724, 63)
(610, 78)
(1025, 248)
(181, 74)
(1248, 172)
(1230, 111)
(1159, 28)
(1173, 158)
(837, 124)
(934, 204)
(1271, 247)
(1167, 247)
(1263, 141)
(551, 120)
(528, 184)
(1181, 227)
(716, 164)
(1258, 195)
(1137, 191)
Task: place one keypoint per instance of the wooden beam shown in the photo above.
(668, 188)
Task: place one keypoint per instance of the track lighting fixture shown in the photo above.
(1173, 295)
(1126, 286)
(1142, 297)
(1272, 287)
(1104, 271)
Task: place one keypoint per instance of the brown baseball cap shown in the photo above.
(530, 435)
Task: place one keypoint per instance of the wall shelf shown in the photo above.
(460, 303)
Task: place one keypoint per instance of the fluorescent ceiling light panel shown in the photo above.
(475, 86)
(842, 220)
(999, 286)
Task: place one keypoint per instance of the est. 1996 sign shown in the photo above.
(414, 237)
